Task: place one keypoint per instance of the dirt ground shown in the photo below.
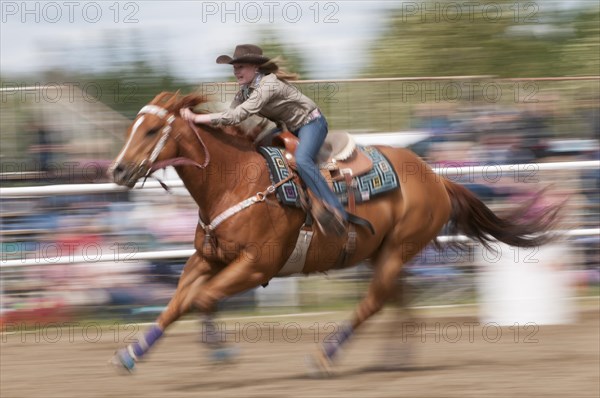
(450, 356)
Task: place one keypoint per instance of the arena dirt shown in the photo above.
(450, 356)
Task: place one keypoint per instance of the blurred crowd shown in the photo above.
(100, 235)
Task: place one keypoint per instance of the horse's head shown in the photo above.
(152, 137)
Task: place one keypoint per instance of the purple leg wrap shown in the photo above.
(149, 338)
(331, 347)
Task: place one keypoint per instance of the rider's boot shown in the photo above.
(329, 220)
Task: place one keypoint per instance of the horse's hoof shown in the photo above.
(223, 355)
(318, 365)
(122, 361)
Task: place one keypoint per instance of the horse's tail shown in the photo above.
(471, 217)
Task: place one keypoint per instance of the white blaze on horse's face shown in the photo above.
(146, 141)
(134, 130)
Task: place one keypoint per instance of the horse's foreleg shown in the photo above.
(244, 273)
(196, 272)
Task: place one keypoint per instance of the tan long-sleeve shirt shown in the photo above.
(272, 98)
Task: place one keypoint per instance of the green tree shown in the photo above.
(127, 73)
(500, 38)
(274, 47)
(581, 53)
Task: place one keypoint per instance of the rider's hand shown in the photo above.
(187, 114)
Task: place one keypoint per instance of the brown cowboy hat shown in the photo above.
(244, 53)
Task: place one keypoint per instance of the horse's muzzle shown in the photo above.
(128, 174)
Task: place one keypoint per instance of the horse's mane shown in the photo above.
(173, 102)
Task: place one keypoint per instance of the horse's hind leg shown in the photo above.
(196, 272)
(397, 348)
(388, 266)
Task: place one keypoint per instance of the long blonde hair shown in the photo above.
(277, 67)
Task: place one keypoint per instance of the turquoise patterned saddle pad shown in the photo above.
(380, 179)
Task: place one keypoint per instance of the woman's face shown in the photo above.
(244, 73)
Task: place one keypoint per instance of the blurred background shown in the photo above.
(500, 83)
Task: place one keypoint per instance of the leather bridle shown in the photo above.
(150, 161)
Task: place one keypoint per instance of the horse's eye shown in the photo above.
(152, 132)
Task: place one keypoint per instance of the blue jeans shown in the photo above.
(311, 137)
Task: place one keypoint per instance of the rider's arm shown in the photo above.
(187, 114)
(237, 113)
(257, 99)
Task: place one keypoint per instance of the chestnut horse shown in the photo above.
(222, 170)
